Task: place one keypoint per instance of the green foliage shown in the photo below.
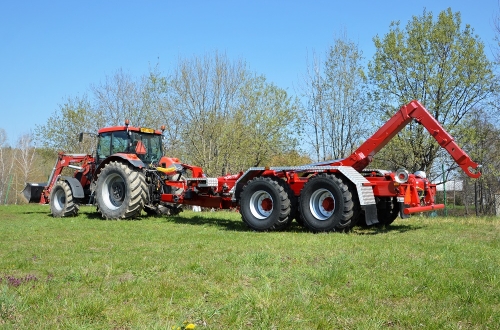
(335, 97)
(482, 137)
(218, 115)
(208, 269)
(230, 119)
(60, 133)
(441, 65)
(270, 122)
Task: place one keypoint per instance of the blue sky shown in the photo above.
(52, 50)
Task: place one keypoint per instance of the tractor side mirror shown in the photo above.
(80, 137)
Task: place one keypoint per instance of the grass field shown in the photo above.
(209, 270)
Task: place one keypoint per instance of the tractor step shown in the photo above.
(33, 192)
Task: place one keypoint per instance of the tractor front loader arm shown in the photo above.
(40, 192)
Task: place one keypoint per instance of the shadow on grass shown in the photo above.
(196, 220)
(233, 225)
(193, 220)
(211, 219)
(225, 224)
(38, 212)
(376, 230)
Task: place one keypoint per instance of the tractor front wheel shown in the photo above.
(121, 191)
(62, 203)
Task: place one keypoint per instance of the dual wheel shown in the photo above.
(325, 204)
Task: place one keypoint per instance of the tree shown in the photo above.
(218, 114)
(335, 95)
(6, 166)
(496, 22)
(74, 116)
(441, 65)
(231, 119)
(483, 141)
(270, 125)
(25, 155)
(122, 97)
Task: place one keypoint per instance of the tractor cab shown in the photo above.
(146, 143)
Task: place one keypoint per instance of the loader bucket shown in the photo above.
(33, 192)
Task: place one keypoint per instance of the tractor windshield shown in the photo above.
(148, 147)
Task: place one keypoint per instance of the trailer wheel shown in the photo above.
(265, 204)
(293, 205)
(62, 203)
(325, 203)
(347, 225)
(387, 210)
(121, 191)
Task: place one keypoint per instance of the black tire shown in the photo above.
(387, 210)
(174, 209)
(293, 205)
(62, 203)
(325, 202)
(265, 204)
(121, 191)
(163, 210)
(347, 225)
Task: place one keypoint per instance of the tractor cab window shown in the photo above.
(148, 147)
(112, 143)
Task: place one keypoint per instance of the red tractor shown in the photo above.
(121, 179)
(129, 174)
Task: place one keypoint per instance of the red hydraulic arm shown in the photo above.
(362, 156)
(63, 161)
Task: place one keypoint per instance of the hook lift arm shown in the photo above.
(362, 156)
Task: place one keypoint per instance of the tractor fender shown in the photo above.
(76, 186)
(132, 159)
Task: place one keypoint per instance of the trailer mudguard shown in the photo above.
(76, 186)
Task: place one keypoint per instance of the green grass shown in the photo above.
(207, 268)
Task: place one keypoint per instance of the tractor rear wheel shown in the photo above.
(62, 203)
(325, 203)
(121, 191)
(265, 204)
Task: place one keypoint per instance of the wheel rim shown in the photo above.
(113, 191)
(59, 199)
(322, 204)
(261, 204)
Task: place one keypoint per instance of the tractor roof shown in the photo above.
(130, 128)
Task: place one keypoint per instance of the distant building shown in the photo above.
(452, 185)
